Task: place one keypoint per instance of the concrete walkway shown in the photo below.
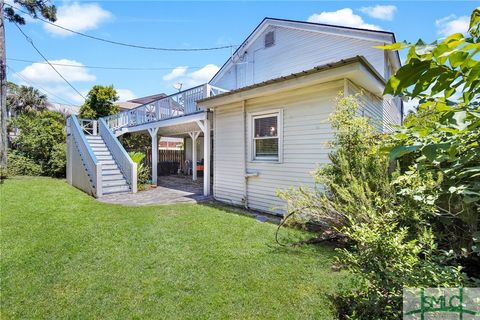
(170, 189)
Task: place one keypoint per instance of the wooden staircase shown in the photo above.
(113, 180)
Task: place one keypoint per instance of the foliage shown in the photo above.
(20, 165)
(69, 256)
(42, 139)
(442, 139)
(34, 7)
(135, 141)
(143, 174)
(359, 197)
(100, 102)
(25, 100)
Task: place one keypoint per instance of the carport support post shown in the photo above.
(194, 136)
(206, 158)
(205, 126)
(153, 135)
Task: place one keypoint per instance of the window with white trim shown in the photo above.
(266, 134)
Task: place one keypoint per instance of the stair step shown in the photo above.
(99, 148)
(109, 172)
(114, 183)
(116, 189)
(96, 142)
(109, 167)
(106, 162)
(111, 177)
(104, 158)
(90, 137)
(101, 153)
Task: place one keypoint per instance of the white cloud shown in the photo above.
(175, 73)
(43, 73)
(78, 17)
(194, 78)
(451, 24)
(125, 94)
(343, 17)
(386, 12)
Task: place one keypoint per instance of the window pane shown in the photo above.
(266, 127)
(266, 148)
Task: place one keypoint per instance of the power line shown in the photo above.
(122, 43)
(99, 67)
(46, 60)
(33, 84)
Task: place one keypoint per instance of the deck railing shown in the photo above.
(93, 167)
(89, 126)
(122, 159)
(178, 104)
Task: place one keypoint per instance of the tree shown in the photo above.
(34, 7)
(25, 100)
(42, 140)
(100, 102)
(441, 138)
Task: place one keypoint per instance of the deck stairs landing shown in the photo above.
(113, 180)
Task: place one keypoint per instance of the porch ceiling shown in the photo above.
(179, 130)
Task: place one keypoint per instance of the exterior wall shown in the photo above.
(229, 154)
(79, 176)
(295, 51)
(306, 133)
(385, 112)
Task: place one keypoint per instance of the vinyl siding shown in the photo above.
(306, 133)
(228, 154)
(294, 51)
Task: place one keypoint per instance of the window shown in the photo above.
(269, 39)
(266, 134)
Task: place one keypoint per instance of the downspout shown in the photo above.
(245, 155)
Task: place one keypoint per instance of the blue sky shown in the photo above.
(189, 25)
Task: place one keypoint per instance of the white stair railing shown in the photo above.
(93, 167)
(121, 157)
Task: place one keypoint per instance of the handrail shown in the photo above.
(122, 159)
(89, 126)
(93, 166)
(177, 104)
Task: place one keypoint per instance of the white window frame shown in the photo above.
(251, 135)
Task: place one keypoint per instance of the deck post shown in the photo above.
(206, 157)
(153, 135)
(194, 136)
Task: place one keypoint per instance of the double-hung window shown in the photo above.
(266, 136)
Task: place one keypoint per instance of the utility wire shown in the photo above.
(118, 42)
(99, 67)
(68, 103)
(46, 60)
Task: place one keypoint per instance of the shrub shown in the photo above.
(142, 171)
(383, 215)
(42, 139)
(21, 165)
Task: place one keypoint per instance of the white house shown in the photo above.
(263, 116)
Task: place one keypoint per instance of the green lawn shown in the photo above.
(65, 255)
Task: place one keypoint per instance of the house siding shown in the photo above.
(306, 133)
(294, 51)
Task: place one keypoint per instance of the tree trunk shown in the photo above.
(3, 93)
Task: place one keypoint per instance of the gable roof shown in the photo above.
(366, 34)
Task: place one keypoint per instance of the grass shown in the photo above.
(65, 255)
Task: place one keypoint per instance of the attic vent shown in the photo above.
(269, 39)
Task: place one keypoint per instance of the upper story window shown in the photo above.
(269, 39)
(266, 136)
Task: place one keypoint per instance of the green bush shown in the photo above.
(21, 165)
(143, 174)
(42, 139)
